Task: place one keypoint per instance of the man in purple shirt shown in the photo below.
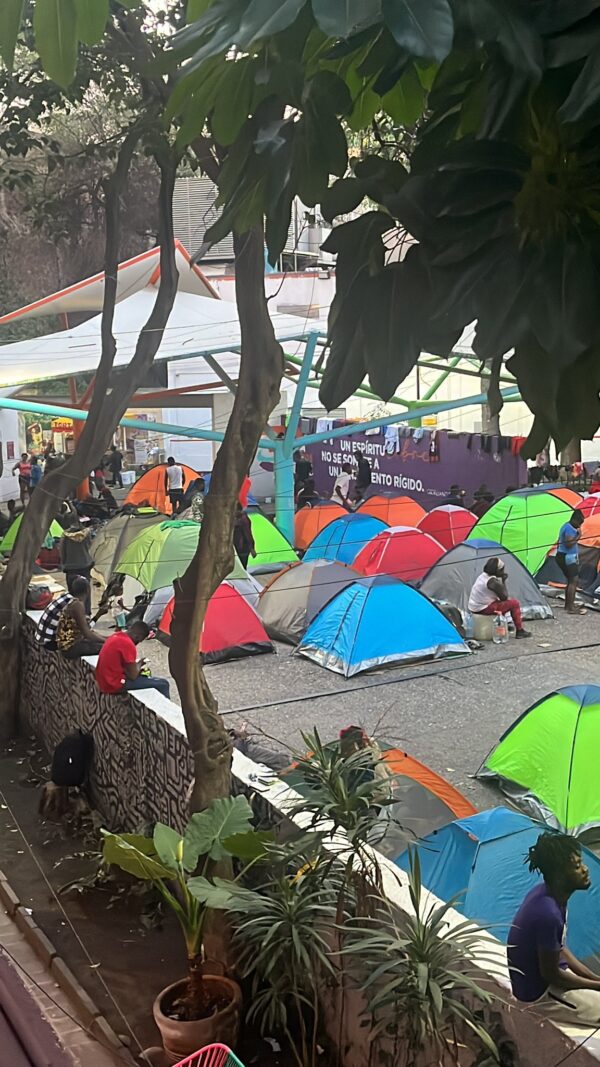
(543, 973)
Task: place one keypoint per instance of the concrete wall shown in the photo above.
(142, 769)
(10, 431)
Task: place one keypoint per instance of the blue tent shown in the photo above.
(480, 859)
(376, 622)
(343, 538)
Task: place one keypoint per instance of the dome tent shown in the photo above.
(547, 760)
(273, 550)
(448, 524)
(348, 637)
(163, 552)
(149, 490)
(343, 539)
(451, 578)
(392, 508)
(308, 522)
(7, 543)
(405, 552)
(114, 537)
(231, 630)
(292, 599)
(477, 862)
(526, 523)
(422, 799)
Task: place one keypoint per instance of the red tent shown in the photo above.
(449, 524)
(591, 505)
(402, 551)
(231, 628)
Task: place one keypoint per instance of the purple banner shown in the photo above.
(423, 469)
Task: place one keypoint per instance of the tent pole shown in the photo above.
(284, 491)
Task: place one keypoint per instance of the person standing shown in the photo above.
(341, 489)
(118, 669)
(489, 595)
(115, 465)
(36, 474)
(174, 483)
(363, 477)
(456, 497)
(243, 539)
(545, 976)
(24, 468)
(303, 468)
(567, 557)
(75, 558)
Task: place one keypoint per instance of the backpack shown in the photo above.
(72, 759)
(38, 597)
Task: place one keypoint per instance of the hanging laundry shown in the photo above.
(434, 448)
(324, 424)
(392, 439)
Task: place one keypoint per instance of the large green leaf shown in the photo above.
(207, 831)
(343, 18)
(196, 8)
(342, 197)
(10, 21)
(219, 893)
(136, 855)
(388, 326)
(263, 18)
(92, 16)
(405, 102)
(585, 92)
(506, 24)
(55, 27)
(234, 100)
(249, 846)
(425, 28)
(168, 845)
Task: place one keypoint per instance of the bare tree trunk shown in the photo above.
(106, 409)
(261, 370)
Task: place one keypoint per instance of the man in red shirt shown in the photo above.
(118, 669)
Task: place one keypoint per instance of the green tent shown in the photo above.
(548, 759)
(272, 548)
(527, 524)
(162, 553)
(8, 541)
(117, 534)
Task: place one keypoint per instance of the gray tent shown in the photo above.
(451, 578)
(290, 601)
(112, 540)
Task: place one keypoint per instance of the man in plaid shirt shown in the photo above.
(48, 624)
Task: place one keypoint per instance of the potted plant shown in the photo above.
(202, 1008)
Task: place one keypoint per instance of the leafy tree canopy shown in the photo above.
(500, 195)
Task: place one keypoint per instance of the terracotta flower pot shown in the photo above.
(181, 1039)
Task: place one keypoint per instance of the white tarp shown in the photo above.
(196, 325)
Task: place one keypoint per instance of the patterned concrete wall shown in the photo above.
(142, 764)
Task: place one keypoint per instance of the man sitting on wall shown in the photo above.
(118, 669)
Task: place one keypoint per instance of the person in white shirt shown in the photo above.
(489, 595)
(341, 489)
(174, 483)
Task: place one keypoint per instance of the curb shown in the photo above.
(89, 1015)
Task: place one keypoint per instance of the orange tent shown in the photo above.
(308, 522)
(570, 496)
(590, 532)
(393, 510)
(150, 488)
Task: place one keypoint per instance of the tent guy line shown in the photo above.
(324, 693)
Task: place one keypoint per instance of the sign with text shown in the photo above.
(424, 468)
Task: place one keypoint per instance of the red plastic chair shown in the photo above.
(212, 1056)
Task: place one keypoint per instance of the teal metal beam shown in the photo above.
(284, 491)
(14, 404)
(305, 370)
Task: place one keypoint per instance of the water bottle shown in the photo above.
(500, 630)
(468, 625)
(511, 629)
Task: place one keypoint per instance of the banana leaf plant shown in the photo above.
(221, 832)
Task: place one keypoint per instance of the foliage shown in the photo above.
(344, 789)
(169, 861)
(422, 982)
(501, 196)
(282, 938)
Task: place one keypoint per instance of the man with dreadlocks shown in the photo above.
(543, 972)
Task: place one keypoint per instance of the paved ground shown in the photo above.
(448, 713)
